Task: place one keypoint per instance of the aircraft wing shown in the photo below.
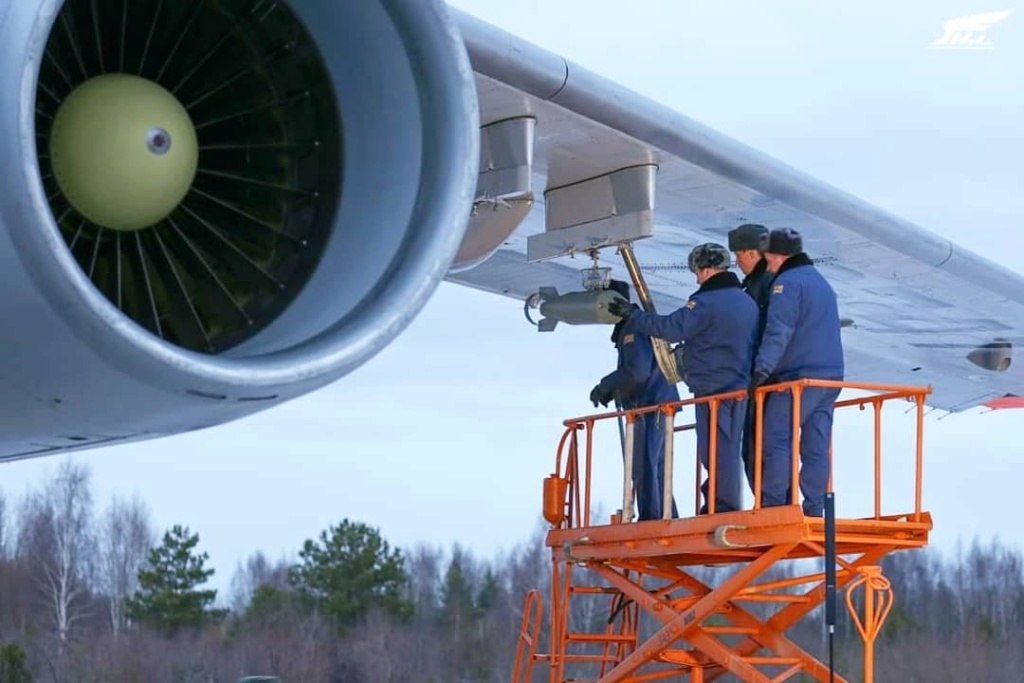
(917, 308)
(331, 166)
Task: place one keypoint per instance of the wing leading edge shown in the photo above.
(918, 308)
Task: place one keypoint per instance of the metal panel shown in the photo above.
(610, 209)
(504, 191)
(506, 159)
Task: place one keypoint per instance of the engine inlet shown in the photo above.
(190, 155)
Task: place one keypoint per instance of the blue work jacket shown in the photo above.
(718, 325)
(638, 380)
(802, 333)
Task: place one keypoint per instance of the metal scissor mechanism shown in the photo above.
(698, 631)
(709, 618)
(633, 602)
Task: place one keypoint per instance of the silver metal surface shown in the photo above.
(490, 225)
(77, 372)
(996, 356)
(604, 211)
(575, 308)
(504, 191)
(506, 159)
(158, 141)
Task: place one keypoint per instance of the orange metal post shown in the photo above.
(712, 456)
(795, 473)
(590, 462)
(878, 459)
(696, 487)
(919, 467)
(758, 446)
(878, 599)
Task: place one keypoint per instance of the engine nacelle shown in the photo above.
(326, 163)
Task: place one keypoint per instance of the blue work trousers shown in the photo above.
(749, 437)
(816, 407)
(728, 485)
(649, 466)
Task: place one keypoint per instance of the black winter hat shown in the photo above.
(748, 236)
(784, 242)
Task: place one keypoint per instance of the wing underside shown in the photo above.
(917, 309)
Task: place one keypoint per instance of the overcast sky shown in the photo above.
(446, 435)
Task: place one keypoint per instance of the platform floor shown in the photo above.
(732, 537)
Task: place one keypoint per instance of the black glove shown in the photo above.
(756, 380)
(622, 308)
(599, 395)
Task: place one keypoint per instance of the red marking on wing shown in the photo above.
(1006, 402)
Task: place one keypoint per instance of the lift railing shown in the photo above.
(567, 492)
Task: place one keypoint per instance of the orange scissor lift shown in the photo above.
(650, 568)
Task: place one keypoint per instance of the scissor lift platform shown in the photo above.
(651, 568)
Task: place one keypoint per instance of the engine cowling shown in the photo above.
(259, 201)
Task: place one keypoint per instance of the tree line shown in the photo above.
(102, 597)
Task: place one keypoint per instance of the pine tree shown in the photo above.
(14, 665)
(168, 598)
(487, 598)
(456, 593)
(351, 570)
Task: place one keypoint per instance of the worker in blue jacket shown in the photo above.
(717, 325)
(748, 242)
(638, 382)
(801, 340)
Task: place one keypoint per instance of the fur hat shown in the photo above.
(784, 242)
(748, 236)
(708, 255)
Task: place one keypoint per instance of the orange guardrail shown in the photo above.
(567, 492)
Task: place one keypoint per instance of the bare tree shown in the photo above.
(257, 572)
(126, 536)
(56, 536)
(424, 564)
(3, 526)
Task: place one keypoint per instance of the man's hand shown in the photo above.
(622, 308)
(599, 395)
(756, 380)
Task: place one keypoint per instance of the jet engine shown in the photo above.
(211, 207)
